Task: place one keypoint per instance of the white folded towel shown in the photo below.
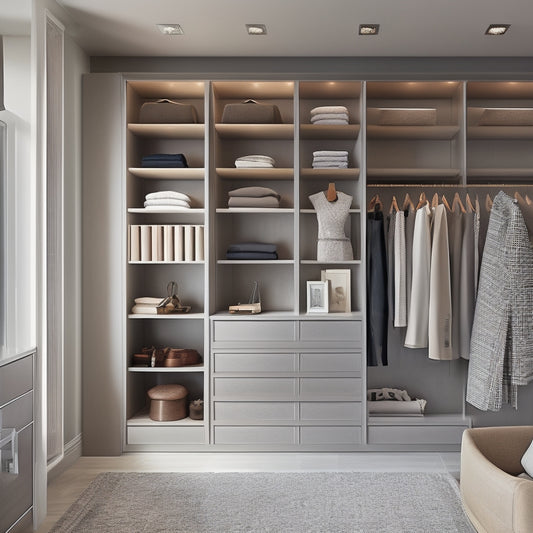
(163, 207)
(253, 164)
(256, 157)
(166, 202)
(329, 109)
(144, 309)
(167, 194)
(326, 159)
(326, 116)
(330, 165)
(330, 121)
(333, 153)
(148, 300)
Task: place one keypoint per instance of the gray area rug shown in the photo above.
(329, 502)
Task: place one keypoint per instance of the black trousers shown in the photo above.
(376, 290)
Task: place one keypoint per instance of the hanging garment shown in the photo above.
(333, 244)
(501, 353)
(417, 322)
(455, 221)
(376, 297)
(400, 267)
(391, 225)
(410, 215)
(440, 297)
(467, 282)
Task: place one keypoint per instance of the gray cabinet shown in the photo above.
(16, 445)
(305, 396)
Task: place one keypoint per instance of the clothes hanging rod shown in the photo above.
(447, 185)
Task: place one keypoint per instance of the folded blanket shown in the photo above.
(387, 393)
(167, 194)
(330, 121)
(168, 202)
(257, 158)
(166, 206)
(254, 192)
(326, 116)
(148, 300)
(321, 164)
(165, 157)
(329, 109)
(392, 407)
(252, 247)
(253, 164)
(245, 201)
(330, 153)
(251, 255)
(168, 163)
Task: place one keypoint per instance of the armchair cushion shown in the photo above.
(527, 460)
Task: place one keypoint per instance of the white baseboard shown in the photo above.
(71, 453)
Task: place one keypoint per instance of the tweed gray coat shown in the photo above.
(501, 347)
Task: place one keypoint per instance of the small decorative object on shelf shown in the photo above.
(167, 357)
(317, 296)
(172, 304)
(168, 402)
(339, 289)
(253, 306)
(196, 409)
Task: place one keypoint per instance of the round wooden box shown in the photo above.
(168, 402)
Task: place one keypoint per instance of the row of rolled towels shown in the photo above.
(165, 242)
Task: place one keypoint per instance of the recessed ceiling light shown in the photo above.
(170, 29)
(497, 29)
(256, 29)
(368, 29)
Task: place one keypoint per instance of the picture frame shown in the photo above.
(317, 296)
(340, 293)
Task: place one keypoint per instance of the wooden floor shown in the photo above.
(66, 488)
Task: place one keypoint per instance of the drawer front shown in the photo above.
(349, 411)
(330, 362)
(256, 435)
(327, 387)
(253, 331)
(415, 434)
(257, 411)
(265, 387)
(17, 489)
(330, 435)
(15, 379)
(254, 362)
(17, 414)
(165, 435)
(330, 330)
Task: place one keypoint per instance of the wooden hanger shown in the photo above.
(519, 199)
(528, 200)
(446, 204)
(458, 203)
(469, 203)
(421, 200)
(375, 203)
(408, 203)
(488, 203)
(435, 200)
(331, 195)
(393, 206)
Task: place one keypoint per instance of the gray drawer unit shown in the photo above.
(165, 435)
(256, 411)
(256, 435)
(348, 435)
(326, 362)
(255, 362)
(246, 331)
(16, 444)
(351, 412)
(349, 388)
(331, 330)
(245, 387)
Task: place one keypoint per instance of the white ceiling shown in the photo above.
(295, 27)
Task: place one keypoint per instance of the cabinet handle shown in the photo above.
(9, 455)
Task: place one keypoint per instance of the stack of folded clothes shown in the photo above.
(255, 161)
(253, 197)
(252, 250)
(329, 114)
(146, 305)
(164, 161)
(390, 402)
(167, 200)
(330, 159)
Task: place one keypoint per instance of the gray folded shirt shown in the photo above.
(254, 192)
(247, 201)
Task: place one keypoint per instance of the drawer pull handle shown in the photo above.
(9, 456)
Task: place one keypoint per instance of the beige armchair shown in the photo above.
(495, 500)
